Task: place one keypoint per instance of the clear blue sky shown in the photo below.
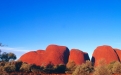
(82, 24)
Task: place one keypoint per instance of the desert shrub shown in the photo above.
(9, 68)
(59, 68)
(84, 69)
(49, 69)
(36, 69)
(110, 66)
(25, 67)
(116, 67)
(102, 69)
(18, 65)
(70, 67)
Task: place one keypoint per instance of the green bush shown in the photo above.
(84, 69)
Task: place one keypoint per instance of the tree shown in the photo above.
(11, 56)
(4, 56)
(1, 45)
(8, 56)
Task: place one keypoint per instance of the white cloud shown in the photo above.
(17, 51)
(13, 49)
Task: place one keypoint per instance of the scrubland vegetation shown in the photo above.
(87, 68)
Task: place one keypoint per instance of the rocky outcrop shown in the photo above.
(106, 53)
(29, 57)
(56, 55)
(53, 54)
(78, 56)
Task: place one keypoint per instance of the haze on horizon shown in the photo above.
(27, 25)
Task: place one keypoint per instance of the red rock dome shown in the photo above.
(56, 55)
(29, 57)
(77, 56)
(104, 52)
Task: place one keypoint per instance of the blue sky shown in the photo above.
(27, 25)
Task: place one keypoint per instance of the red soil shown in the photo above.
(104, 52)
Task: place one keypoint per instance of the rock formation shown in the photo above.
(53, 54)
(104, 52)
(78, 56)
(56, 55)
(29, 57)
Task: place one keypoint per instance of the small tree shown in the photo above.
(4, 56)
(11, 56)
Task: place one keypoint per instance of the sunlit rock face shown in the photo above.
(39, 57)
(53, 54)
(56, 55)
(78, 56)
(29, 57)
(106, 53)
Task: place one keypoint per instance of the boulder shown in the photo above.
(55, 55)
(76, 56)
(105, 53)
